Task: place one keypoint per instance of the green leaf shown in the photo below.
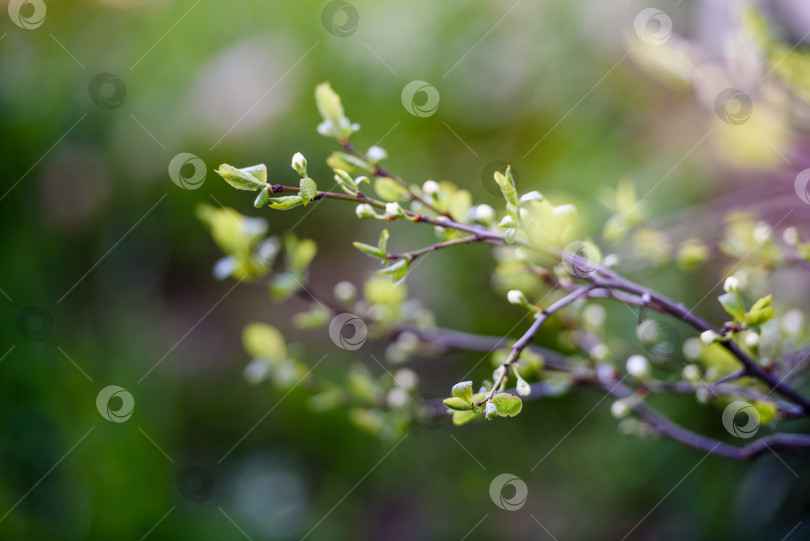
(250, 178)
(283, 286)
(389, 189)
(457, 404)
(369, 249)
(764, 302)
(300, 252)
(262, 198)
(755, 318)
(316, 317)
(734, 305)
(285, 202)
(335, 123)
(464, 417)
(348, 162)
(507, 404)
(507, 185)
(398, 270)
(309, 190)
(767, 411)
(264, 341)
(509, 235)
(463, 390)
(382, 244)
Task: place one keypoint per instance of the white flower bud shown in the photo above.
(491, 411)
(599, 352)
(638, 367)
(619, 409)
(523, 387)
(397, 397)
(606, 373)
(610, 260)
(752, 340)
(483, 213)
(376, 154)
(732, 285)
(762, 232)
(516, 297)
(345, 292)
(394, 210)
(709, 337)
(791, 236)
(364, 210)
(430, 187)
(406, 378)
(691, 372)
(594, 315)
(299, 164)
(691, 348)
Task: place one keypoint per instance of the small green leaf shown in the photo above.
(262, 198)
(764, 302)
(457, 404)
(249, 178)
(463, 390)
(285, 202)
(507, 185)
(755, 318)
(509, 235)
(382, 244)
(265, 341)
(464, 417)
(369, 249)
(398, 270)
(389, 189)
(734, 305)
(283, 286)
(507, 404)
(308, 190)
(300, 252)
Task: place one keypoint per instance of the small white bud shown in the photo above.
(709, 337)
(364, 210)
(376, 154)
(594, 315)
(791, 236)
(430, 187)
(523, 387)
(691, 348)
(507, 221)
(762, 232)
(406, 378)
(484, 213)
(732, 285)
(394, 210)
(599, 352)
(691, 372)
(397, 397)
(491, 411)
(299, 164)
(516, 297)
(619, 409)
(345, 292)
(638, 367)
(752, 340)
(703, 395)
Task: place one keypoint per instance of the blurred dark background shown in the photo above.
(106, 271)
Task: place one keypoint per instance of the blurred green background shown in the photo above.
(99, 239)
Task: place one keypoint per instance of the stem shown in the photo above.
(529, 335)
(413, 254)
